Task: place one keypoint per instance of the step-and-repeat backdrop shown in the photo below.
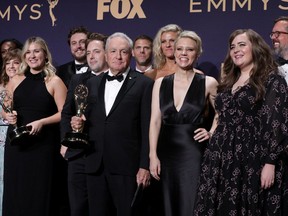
(213, 20)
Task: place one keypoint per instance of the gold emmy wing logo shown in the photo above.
(52, 5)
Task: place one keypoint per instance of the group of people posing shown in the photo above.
(164, 139)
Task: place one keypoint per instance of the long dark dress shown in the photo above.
(29, 167)
(180, 155)
(248, 135)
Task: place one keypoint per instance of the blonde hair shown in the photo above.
(159, 59)
(193, 36)
(48, 68)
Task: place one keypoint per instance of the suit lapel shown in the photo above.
(128, 83)
(72, 69)
(101, 93)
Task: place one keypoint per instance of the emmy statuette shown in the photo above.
(18, 133)
(77, 139)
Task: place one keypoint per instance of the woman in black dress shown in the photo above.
(243, 171)
(177, 132)
(29, 166)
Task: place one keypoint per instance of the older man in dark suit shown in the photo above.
(118, 116)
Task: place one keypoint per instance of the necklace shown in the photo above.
(235, 89)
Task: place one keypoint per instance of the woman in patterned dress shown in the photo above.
(243, 171)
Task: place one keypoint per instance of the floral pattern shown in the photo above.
(249, 134)
(3, 132)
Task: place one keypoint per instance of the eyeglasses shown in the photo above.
(276, 34)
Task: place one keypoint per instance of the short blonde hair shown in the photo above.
(193, 36)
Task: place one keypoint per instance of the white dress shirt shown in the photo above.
(138, 70)
(284, 71)
(82, 70)
(112, 89)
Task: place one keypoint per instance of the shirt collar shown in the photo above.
(149, 68)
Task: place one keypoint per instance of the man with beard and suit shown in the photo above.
(117, 119)
(76, 40)
(77, 187)
(279, 37)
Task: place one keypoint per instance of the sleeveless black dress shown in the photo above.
(180, 155)
(29, 167)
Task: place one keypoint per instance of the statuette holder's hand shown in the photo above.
(77, 139)
(18, 133)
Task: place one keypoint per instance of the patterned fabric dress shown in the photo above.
(249, 135)
(3, 133)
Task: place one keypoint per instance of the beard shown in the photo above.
(80, 58)
(281, 51)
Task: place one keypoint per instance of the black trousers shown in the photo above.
(110, 194)
(77, 187)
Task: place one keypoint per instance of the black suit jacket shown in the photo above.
(69, 109)
(119, 140)
(66, 71)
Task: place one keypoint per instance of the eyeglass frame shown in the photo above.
(277, 34)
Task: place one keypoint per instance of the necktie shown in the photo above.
(282, 61)
(118, 77)
(79, 66)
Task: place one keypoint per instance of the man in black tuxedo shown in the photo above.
(118, 116)
(76, 40)
(77, 186)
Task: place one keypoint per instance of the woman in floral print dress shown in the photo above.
(243, 170)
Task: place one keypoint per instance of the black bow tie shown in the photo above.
(119, 77)
(79, 66)
(282, 61)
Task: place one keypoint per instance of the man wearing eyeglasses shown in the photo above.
(279, 37)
